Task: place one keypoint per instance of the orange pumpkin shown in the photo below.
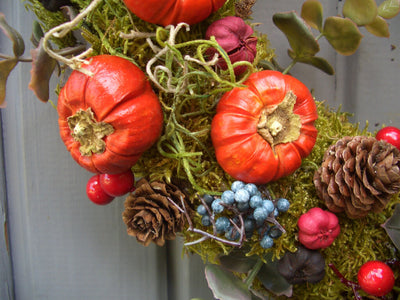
(172, 12)
(107, 120)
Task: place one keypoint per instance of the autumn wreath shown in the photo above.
(182, 107)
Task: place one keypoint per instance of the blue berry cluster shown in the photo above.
(247, 201)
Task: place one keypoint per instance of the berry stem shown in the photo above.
(353, 285)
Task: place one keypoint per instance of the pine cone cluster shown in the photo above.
(358, 175)
(150, 216)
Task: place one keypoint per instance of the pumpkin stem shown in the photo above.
(278, 124)
(88, 132)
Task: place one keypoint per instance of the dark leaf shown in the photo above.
(42, 69)
(318, 62)
(272, 280)
(6, 66)
(225, 285)
(13, 35)
(54, 5)
(343, 35)
(236, 261)
(392, 227)
(312, 13)
(389, 9)
(362, 12)
(297, 32)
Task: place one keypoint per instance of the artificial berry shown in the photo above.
(376, 278)
(389, 134)
(96, 193)
(117, 184)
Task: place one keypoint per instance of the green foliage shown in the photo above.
(342, 32)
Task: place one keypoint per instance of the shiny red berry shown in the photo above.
(376, 278)
(95, 192)
(117, 184)
(389, 134)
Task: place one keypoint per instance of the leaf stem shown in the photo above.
(291, 65)
(253, 273)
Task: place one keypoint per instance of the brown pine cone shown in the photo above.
(358, 175)
(150, 216)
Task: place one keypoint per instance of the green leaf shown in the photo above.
(237, 261)
(312, 13)
(42, 69)
(315, 61)
(272, 279)
(392, 227)
(6, 66)
(13, 35)
(389, 9)
(343, 34)
(362, 12)
(37, 33)
(225, 285)
(379, 27)
(297, 32)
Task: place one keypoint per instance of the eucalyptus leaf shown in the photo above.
(225, 285)
(389, 9)
(42, 69)
(379, 27)
(237, 261)
(312, 13)
(37, 33)
(362, 12)
(6, 66)
(272, 279)
(13, 35)
(315, 61)
(297, 32)
(392, 227)
(343, 34)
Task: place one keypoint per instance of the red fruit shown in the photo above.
(117, 184)
(95, 192)
(389, 134)
(318, 228)
(376, 278)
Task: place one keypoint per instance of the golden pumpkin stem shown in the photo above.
(88, 132)
(278, 124)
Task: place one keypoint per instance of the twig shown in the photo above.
(205, 234)
(60, 31)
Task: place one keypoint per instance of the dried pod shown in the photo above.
(234, 36)
(318, 228)
(302, 266)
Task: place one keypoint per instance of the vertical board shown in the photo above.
(63, 246)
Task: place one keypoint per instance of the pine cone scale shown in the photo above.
(358, 175)
(150, 216)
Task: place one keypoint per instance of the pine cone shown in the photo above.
(150, 216)
(358, 175)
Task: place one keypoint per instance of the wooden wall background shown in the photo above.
(57, 245)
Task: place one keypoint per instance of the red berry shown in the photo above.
(389, 134)
(117, 184)
(95, 193)
(376, 278)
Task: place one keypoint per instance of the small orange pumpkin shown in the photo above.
(109, 119)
